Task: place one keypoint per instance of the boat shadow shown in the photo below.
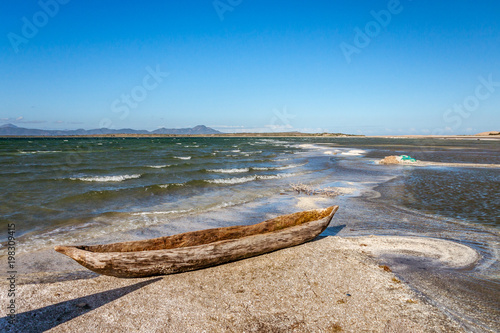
(43, 319)
(330, 231)
(59, 277)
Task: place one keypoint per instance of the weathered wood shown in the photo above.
(200, 249)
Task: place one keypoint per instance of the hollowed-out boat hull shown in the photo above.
(200, 249)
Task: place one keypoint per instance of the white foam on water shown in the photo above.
(239, 180)
(262, 168)
(159, 166)
(274, 142)
(117, 178)
(40, 151)
(173, 184)
(252, 152)
(278, 176)
(235, 170)
(307, 146)
(183, 157)
(329, 152)
(291, 166)
(354, 152)
(163, 212)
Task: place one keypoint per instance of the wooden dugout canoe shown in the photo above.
(200, 249)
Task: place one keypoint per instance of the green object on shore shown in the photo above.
(407, 158)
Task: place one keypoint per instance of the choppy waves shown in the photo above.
(88, 188)
(240, 180)
(171, 185)
(178, 211)
(255, 168)
(159, 166)
(40, 152)
(235, 170)
(117, 178)
(284, 167)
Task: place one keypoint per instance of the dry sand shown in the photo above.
(332, 284)
(488, 133)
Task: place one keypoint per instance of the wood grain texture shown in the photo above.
(200, 249)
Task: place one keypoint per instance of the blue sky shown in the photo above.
(364, 67)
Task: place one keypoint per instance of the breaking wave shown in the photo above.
(235, 170)
(118, 178)
(239, 180)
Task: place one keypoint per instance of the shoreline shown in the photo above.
(331, 283)
(259, 135)
(381, 302)
(419, 163)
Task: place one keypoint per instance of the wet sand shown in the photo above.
(331, 284)
(457, 165)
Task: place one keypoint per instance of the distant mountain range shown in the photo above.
(10, 129)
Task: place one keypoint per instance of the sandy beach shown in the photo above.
(332, 284)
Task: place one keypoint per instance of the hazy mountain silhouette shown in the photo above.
(10, 129)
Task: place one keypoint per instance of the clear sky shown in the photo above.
(365, 67)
